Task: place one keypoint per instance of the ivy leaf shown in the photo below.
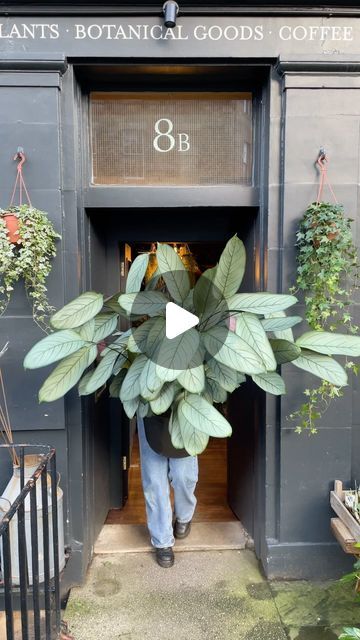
(54, 347)
(79, 311)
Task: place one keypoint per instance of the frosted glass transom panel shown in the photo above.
(171, 138)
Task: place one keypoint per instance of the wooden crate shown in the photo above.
(345, 528)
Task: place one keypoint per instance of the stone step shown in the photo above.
(204, 536)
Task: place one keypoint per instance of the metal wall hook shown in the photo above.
(322, 159)
(20, 155)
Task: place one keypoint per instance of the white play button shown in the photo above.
(178, 320)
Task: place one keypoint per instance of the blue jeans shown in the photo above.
(156, 473)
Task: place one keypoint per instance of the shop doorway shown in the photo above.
(226, 488)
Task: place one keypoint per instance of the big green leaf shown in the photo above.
(260, 303)
(131, 406)
(105, 324)
(136, 273)
(67, 373)
(284, 333)
(115, 386)
(280, 324)
(228, 348)
(78, 311)
(226, 377)
(203, 416)
(82, 384)
(206, 296)
(87, 330)
(195, 441)
(215, 391)
(250, 329)
(163, 400)
(150, 383)
(155, 336)
(173, 271)
(193, 379)
(330, 343)
(52, 348)
(174, 429)
(149, 303)
(102, 372)
(143, 409)
(231, 267)
(322, 366)
(119, 344)
(270, 382)
(284, 350)
(131, 386)
(138, 340)
(176, 353)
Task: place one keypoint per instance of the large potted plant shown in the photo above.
(238, 335)
(27, 247)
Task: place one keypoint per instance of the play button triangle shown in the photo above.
(178, 320)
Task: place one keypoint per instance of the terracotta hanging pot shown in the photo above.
(12, 225)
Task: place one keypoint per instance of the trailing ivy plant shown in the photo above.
(215, 358)
(328, 274)
(29, 260)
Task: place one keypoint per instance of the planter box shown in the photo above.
(345, 528)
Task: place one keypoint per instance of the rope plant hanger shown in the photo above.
(27, 244)
(327, 273)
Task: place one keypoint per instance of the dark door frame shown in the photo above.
(120, 198)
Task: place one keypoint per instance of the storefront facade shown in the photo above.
(296, 71)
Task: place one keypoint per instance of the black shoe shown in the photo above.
(165, 557)
(181, 529)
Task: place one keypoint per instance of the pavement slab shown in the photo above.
(217, 595)
(207, 595)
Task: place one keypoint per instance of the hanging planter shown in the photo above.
(27, 245)
(12, 225)
(328, 275)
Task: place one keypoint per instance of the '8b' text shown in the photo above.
(166, 141)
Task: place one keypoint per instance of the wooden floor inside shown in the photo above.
(210, 492)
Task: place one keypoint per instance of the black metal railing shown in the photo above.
(32, 608)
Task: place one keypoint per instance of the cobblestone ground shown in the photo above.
(217, 595)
